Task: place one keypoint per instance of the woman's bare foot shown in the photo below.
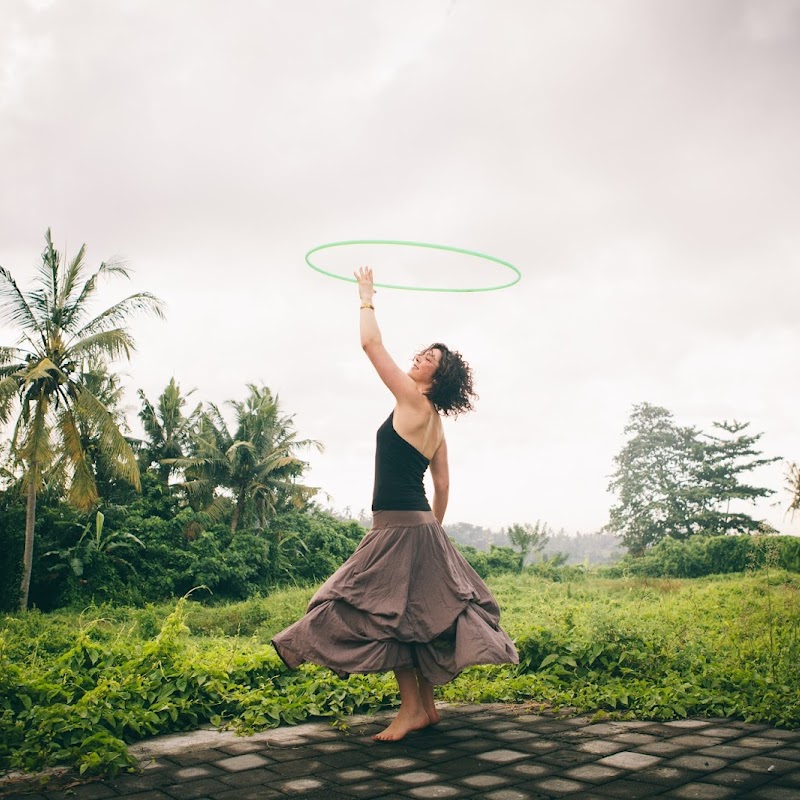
(432, 712)
(403, 723)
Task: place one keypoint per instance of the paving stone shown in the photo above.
(701, 791)
(635, 738)
(397, 764)
(502, 725)
(699, 763)
(513, 794)
(537, 745)
(567, 758)
(241, 763)
(471, 745)
(128, 784)
(514, 735)
(604, 729)
(240, 748)
(441, 755)
(251, 793)
(435, 791)
(296, 769)
(721, 732)
(594, 773)
(488, 780)
(334, 747)
(464, 733)
(280, 754)
(527, 770)
(192, 790)
(688, 723)
(629, 789)
(731, 751)
(558, 786)
(153, 795)
(501, 756)
(191, 757)
(419, 776)
(772, 793)
(252, 777)
(661, 748)
(629, 760)
(695, 740)
(351, 775)
(602, 747)
(779, 733)
(758, 742)
(665, 775)
(197, 771)
(466, 765)
(767, 763)
(348, 758)
(92, 791)
(300, 785)
(737, 778)
(792, 753)
(366, 790)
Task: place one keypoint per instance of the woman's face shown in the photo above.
(425, 365)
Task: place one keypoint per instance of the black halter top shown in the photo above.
(399, 471)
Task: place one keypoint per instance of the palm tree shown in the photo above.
(51, 374)
(257, 462)
(168, 430)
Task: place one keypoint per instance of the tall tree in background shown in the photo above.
(676, 481)
(168, 431)
(528, 538)
(729, 453)
(48, 377)
(257, 461)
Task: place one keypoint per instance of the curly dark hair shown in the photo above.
(451, 392)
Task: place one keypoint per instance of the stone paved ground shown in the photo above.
(482, 752)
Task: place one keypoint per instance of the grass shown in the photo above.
(75, 687)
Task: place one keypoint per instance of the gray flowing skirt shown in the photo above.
(405, 599)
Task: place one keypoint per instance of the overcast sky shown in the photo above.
(638, 160)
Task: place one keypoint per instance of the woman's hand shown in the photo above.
(365, 288)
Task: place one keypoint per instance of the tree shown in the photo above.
(168, 431)
(677, 481)
(257, 462)
(793, 481)
(48, 376)
(528, 538)
(726, 457)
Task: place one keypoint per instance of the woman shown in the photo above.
(406, 600)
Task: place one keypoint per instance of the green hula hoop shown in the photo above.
(517, 273)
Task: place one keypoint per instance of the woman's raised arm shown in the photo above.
(398, 382)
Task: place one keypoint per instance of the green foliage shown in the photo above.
(76, 690)
(497, 561)
(170, 550)
(699, 556)
(677, 481)
(529, 539)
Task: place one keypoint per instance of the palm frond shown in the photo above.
(48, 270)
(110, 440)
(69, 279)
(111, 344)
(8, 355)
(82, 492)
(14, 307)
(39, 370)
(75, 306)
(121, 311)
(37, 446)
(9, 389)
